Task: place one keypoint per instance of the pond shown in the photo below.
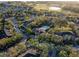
(44, 27)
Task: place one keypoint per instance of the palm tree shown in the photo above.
(3, 22)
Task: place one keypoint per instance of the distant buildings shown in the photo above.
(44, 7)
(40, 7)
(55, 9)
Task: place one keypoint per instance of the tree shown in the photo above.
(27, 18)
(12, 52)
(52, 50)
(77, 32)
(3, 22)
(68, 39)
(32, 42)
(74, 53)
(56, 39)
(16, 50)
(29, 31)
(18, 36)
(44, 47)
(77, 41)
(6, 42)
(62, 53)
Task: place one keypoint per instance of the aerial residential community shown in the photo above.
(39, 29)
